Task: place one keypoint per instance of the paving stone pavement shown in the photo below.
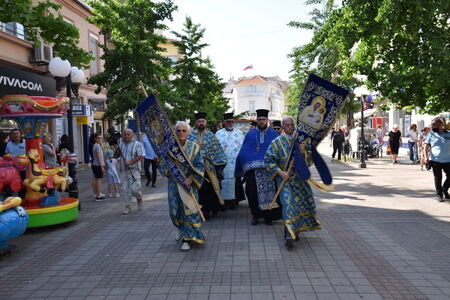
(384, 237)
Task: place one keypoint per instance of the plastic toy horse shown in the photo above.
(41, 179)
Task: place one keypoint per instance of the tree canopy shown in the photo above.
(197, 87)
(42, 21)
(135, 54)
(400, 46)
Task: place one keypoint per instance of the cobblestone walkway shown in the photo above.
(384, 237)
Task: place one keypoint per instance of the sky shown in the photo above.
(247, 32)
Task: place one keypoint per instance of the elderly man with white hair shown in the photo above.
(297, 201)
(185, 219)
(131, 153)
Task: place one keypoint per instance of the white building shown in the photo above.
(248, 94)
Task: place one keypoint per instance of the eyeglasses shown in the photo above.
(181, 130)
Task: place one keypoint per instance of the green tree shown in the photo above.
(324, 55)
(197, 87)
(401, 46)
(135, 55)
(42, 21)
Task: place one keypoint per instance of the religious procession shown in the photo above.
(269, 166)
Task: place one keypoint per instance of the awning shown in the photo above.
(367, 113)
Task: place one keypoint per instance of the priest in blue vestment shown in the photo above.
(297, 201)
(259, 189)
(215, 161)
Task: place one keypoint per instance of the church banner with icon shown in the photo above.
(319, 107)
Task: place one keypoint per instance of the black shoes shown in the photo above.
(148, 182)
(289, 243)
(446, 195)
(254, 221)
(440, 198)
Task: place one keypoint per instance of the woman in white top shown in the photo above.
(412, 143)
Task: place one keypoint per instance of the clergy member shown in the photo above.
(259, 189)
(231, 140)
(276, 125)
(297, 201)
(187, 221)
(215, 161)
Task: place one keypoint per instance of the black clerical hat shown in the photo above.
(227, 116)
(262, 113)
(200, 115)
(276, 123)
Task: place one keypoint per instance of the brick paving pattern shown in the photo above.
(384, 237)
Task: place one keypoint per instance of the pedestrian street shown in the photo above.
(384, 236)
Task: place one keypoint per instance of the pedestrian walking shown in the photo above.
(231, 140)
(337, 141)
(112, 175)
(395, 141)
(185, 220)
(380, 135)
(438, 151)
(150, 159)
(297, 201)
(412, 143)
(347, 146)
(215, 161)
(131, 153)
(421, 146)
(260, 190)
(97, 165)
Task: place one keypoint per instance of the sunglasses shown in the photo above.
(181, 130)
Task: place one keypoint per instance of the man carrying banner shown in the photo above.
(215, 160)
(259, 189)
(183, 214)
(231, 140)
(297, 201)
(131, 153)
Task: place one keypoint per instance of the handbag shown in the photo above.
(388, 150)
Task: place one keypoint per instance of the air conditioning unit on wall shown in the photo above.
(43, 54)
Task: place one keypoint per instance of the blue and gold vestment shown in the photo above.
(185, 220)
(213, 157)
(297, 201)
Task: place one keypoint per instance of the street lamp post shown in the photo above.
(73, 77)
(363, 140)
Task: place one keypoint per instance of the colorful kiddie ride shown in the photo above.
(13, 222)
(43, 200)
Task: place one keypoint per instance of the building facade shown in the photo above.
(17, 52)
(248, 94)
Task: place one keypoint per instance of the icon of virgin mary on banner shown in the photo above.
(319, 107)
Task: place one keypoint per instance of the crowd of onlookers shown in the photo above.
(430, 148)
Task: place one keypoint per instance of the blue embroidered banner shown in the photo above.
(158, 129)
(319, 106)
